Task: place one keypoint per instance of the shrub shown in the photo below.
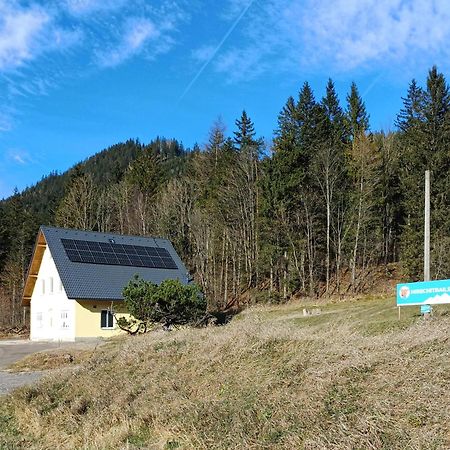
(170, 303)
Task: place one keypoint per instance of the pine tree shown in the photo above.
(334, 113)
(308, 114)
(245, 133)
(357, 117)
(286, 135)
(293, 145)
(436, 113)
(411, 115)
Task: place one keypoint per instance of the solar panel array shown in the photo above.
(117, 254)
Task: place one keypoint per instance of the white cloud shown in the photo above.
(343, 35)
(28, 32)
(356, 33)
(82, 7)
(19, 156)
(20, 29)
(203, 53)
(44, 44)
(138, 32)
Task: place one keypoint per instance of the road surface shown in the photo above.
(12, 350)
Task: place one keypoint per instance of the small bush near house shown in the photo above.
(170, 303)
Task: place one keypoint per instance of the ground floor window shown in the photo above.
(107, 319)
(65, 320)
(39, 320)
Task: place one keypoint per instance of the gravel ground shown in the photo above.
(12, 350)
(10, 381)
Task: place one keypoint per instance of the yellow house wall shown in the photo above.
(87, 318)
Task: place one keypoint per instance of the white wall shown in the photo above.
(52, 314)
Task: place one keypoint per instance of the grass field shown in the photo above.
(353, 377)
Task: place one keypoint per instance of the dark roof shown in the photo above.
(102, 281)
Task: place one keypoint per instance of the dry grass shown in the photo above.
(271, 379)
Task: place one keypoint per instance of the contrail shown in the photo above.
(372, 84)
(227, 34)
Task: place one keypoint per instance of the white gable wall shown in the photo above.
(52, 314)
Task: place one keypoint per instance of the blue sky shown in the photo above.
(79, 75)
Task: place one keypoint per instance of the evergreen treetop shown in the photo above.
(357, 117)
(245, 133)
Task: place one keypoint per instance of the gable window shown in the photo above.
(43, 287)
(107, 319)
(50, 285)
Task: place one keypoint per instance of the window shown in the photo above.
(65, 320)
(43, 287)
(60, 286)
(39, 320)
(107, 319)
(50, 285)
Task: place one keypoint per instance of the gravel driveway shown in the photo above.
(10, 381)
(14, 350)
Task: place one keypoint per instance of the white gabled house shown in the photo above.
(76, 277)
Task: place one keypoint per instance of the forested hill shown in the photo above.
(23, 212)
(330, 202)
(105, 167)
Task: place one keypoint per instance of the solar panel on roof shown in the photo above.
(118, 254)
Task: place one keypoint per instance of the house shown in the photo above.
(75, 279)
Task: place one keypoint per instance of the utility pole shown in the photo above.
(426, 247)
(426, 309)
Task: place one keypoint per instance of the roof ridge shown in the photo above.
(43, 227)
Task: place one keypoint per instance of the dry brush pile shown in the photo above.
(264, 381)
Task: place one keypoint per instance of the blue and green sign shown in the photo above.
(423, 293)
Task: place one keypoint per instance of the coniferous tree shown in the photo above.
(287, 132)
(411, 116)
(357, 117)
(335, 114)
(245, 133)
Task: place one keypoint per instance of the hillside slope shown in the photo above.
(352, 377)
